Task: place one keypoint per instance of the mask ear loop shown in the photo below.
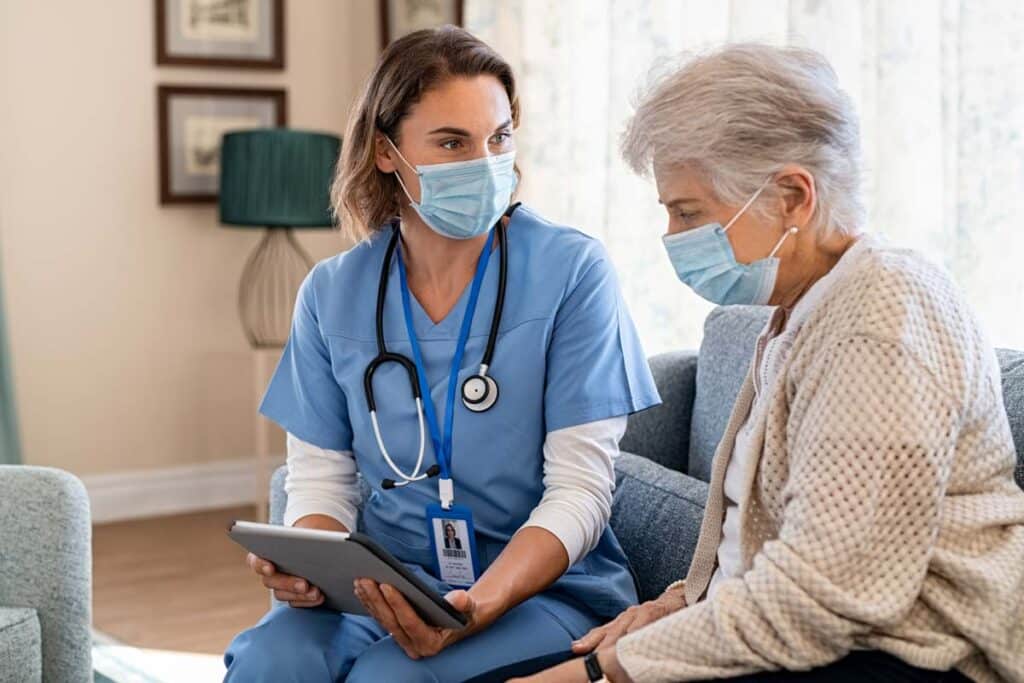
(398, 176)
(778, 245)
(746, 206)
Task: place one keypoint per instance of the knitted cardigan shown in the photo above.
(881, 511)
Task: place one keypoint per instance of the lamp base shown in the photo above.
(270, 282)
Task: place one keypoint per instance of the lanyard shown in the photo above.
(443, 447)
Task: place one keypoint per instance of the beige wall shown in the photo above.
(128, 352)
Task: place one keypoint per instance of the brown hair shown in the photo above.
(362, 197)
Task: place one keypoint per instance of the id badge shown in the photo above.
(453, 544)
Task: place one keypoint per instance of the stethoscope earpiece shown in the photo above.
(479, 393)
(431, 472)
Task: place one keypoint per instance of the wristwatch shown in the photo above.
(594, 672)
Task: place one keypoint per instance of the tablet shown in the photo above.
(332, 560)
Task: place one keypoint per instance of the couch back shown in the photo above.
(729, 336)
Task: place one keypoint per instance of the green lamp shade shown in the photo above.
(277, 177)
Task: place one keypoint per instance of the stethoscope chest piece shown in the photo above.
(479, 393)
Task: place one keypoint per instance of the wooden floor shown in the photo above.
(174, 583)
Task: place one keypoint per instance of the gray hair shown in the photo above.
(739, 113)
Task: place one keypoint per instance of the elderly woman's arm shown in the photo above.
(869, 463)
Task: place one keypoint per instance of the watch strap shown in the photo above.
(595, 674)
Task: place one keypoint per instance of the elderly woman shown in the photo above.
(862, 521)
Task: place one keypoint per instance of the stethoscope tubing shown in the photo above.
(385, 356)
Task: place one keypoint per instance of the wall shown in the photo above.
(128, 352)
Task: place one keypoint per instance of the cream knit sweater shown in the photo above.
(881, 511)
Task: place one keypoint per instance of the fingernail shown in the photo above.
(300, 586)
(266, 569)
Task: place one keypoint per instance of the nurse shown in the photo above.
(474, 364)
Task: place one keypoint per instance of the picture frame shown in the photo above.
(399, 17)
(243, 34)
(191, 122)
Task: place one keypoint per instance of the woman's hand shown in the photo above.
(416, 637)
(294, 590)
(633, 619)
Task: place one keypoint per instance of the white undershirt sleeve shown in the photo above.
(579, 478)
(321, 481)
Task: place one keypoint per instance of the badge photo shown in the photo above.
(453, 544)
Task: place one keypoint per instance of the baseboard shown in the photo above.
(175, 490)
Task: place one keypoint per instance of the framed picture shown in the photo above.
(399, 17)
(220, 33)
(192, 121)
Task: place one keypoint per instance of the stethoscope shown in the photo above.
(479, 392)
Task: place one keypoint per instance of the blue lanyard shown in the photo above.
(443, 449)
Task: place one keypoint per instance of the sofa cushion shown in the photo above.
(730, 333)
(656, 515)
(278, 497)
(1011, 363)
(662, 433)
(21, 646)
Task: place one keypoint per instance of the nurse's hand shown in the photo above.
(294, 590)
(633, 619)
(416, 637)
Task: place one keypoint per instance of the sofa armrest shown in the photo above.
(662, 433)
(46, 563)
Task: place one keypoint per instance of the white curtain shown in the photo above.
(939, 86)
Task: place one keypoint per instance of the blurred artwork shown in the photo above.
(220, 33)
(220, 19)
(192, 123)
(201, 139)
(400, 17)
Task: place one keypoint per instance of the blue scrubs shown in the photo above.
(567, 354)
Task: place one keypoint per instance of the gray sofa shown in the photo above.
(45, 576)
(667, 451)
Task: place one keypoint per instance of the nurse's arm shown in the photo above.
(533, 560)
(579, 477)
(322, 487)
(321, 522)
(323, 493)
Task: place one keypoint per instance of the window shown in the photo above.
(940, 90)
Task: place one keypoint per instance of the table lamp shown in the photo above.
(278, 179)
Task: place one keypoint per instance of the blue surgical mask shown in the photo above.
(704, 260)
(463, 199)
